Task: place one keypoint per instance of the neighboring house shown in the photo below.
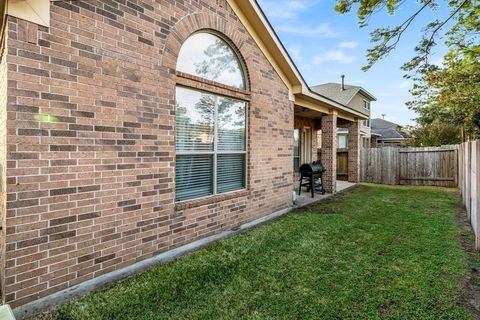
(387, 133)
(356, 98)
(131, 128)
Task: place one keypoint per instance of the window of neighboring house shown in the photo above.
(366, 123)
(366, 104)
(211, 130)
(366, 142)
(296, 150)
(342, 141)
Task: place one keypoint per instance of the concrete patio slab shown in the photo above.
(306, 199)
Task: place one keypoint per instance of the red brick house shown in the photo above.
(134, 127)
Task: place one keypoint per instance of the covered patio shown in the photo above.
(315, 138)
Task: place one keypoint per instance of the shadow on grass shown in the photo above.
(373, 252)
(471, 283)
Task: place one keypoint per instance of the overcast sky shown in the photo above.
(325, 45)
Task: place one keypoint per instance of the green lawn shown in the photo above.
(377, 253)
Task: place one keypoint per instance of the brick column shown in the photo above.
(329, 152)
(354, 152)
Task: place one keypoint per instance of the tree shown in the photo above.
(450, 94)
(386, 39)
(446, 95)
(219, 61)
(434, 134)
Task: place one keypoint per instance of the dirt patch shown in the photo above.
(471, 283)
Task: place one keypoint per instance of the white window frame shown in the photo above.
(365, 142)
(366, 123)
(366, 104)
(338, 140)
(215, 152)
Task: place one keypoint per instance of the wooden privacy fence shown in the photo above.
(469, 183)
(446, 166)
(429, 166)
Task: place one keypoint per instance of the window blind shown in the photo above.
(210, 144)
(194, 176)
(230, 172)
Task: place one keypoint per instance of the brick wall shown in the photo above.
(91, 153)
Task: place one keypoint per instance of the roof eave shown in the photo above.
(393, 138)
(268, 35)
(308, 93)
(368, 94)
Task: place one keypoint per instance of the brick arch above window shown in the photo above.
(198, 22)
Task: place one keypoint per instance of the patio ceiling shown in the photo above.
(309, 107)
(307, 113)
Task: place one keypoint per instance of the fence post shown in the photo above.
(460, 168)
(468, 189)
(456, 161)
(397, 166)
(476, 204)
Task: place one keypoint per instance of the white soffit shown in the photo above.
(36, 11)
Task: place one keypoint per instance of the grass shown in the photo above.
(379, 252)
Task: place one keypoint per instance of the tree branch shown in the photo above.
(388, 45)
(404, 26)
(438, 27)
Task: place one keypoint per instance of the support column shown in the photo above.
(354, 151)
(329, 152)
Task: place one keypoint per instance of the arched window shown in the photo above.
(208, 56)
(211, 129)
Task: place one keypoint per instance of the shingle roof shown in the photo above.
(389, 134)
(378, 123)
(334, 91)
(387, 129)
